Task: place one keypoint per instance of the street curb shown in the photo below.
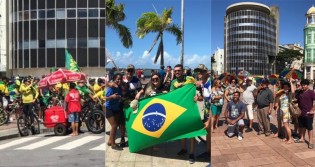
(11, 136)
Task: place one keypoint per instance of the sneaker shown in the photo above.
(260, 132)
(240, 136)
(204, 155)
(182, 152)
(191, 158)
(248, 130)
(116, 147)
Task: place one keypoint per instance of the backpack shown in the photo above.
(294, 109)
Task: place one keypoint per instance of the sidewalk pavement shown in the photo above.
(258, 150)
(160, 155)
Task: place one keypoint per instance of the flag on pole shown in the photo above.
(71, 64)
(164, 117)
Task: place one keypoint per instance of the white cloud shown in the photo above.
(146, 60)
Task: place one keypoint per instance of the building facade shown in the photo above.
(309, 44)
(41, 30)
(218, 66)
(3, 36)
(250, 38)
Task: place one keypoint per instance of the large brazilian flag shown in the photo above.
(164, 117)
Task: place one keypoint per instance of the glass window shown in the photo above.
(71, 43)
(41, 14)
(61, 43)
(82, 43)
(25, 44)
(51, 43)
(71, 13)
(33, 14)
(33, 44)
(82, 13)
(41, 43)
(60, 14)
(26, 15)
(93, 43)
(20, 18)
(50, 13)
(102, 13)
(93, 12)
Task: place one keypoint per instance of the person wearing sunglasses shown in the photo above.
(154, 86)
(134, 83)
(233, 87)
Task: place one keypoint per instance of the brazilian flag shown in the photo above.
(70, 63)
(164, 117)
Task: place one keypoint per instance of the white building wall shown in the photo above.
(219, 61)
(3, 33)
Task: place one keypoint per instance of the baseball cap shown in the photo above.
(130, 66)
(201, 67)
(249, 79)
(81, 81)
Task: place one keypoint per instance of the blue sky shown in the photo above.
(197, 47)
(292, 19)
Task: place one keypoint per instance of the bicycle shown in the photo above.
(25, 126)
(9, 110)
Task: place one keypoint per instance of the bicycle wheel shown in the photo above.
(35, 129)
(4, 116)
(22, 126)
(96, 122)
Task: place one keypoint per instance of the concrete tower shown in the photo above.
(309, 44)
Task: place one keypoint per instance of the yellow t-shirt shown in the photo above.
(100, 95)
(97, 88)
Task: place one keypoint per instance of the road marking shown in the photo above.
(77, 143)
(42, 143)
(100, 147)
(16, 142)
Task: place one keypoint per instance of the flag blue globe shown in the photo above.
(154, 117)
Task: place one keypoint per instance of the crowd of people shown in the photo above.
(237, 100)
(124, 89)
(35, 100)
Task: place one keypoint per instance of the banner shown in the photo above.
(70, 63)
(164, 117)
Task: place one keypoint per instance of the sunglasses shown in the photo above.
(130, 70)
(155, 79)
(177, 70)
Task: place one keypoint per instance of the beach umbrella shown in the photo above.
(61, 76)
(258, 79)
(294, 73)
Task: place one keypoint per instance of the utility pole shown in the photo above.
(182, 27)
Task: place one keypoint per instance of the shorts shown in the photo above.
(216, 110)
(118, 114)
(306, 122)
(249, 111)
(73, 117)
(231, 128)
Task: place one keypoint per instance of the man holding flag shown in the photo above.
(180, 81)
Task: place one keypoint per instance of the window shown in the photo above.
(309, 38)
(41, 43)
(51, 43)
(50, 13)
(61, 43)
(34, 15)
(71, 13)
(71, 43)
(41, 14)
(82, 43)
(102, 13)
(60, 14)
(93, 43)
(82, 13)
(93, 12)
(33, 44)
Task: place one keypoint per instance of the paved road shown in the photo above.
(48, 150)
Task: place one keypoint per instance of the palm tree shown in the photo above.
(152, 22)
(114, 15)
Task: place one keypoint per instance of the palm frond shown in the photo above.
(175, 30)
(124, 34)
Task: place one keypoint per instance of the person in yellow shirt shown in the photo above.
(29, 96)
(3, 89)
(99, 85)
